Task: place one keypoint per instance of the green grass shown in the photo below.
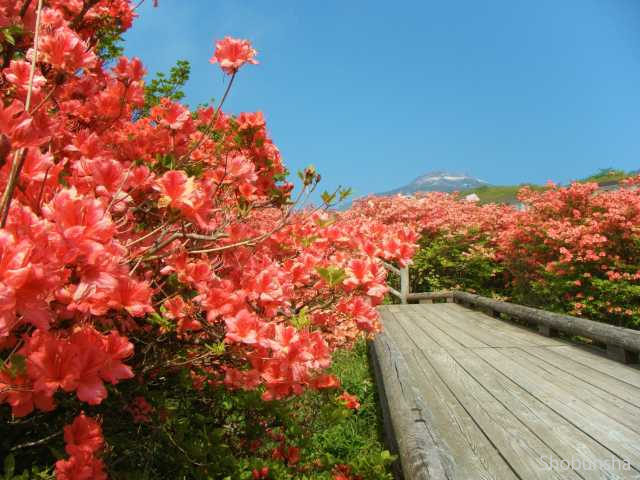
(499, 193)
(342, 436)
(607, 175)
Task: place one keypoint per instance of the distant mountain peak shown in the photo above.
(444, 177)
(439, 181)
(436, 181)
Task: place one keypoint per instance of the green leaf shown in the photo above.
(9, 466)
(328, 197)
(344, 193)
(325, 223)
(308, 241)
(155, 319)
(216, 348)
(302, 319)
(18, 365)
(9, 38)
(332, 275)
(385, 455)
(166, 86)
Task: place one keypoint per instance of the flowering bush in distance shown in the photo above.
(570, 249)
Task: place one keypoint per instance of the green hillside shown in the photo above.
(499, 193)
(508, 193)
(606, 175)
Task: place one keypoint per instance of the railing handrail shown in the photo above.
(623, 344)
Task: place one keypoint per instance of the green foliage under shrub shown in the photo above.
(217, 434)
(453, 261)
(457, 261)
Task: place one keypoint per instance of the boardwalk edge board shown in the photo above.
(623, 344)
(409, 430)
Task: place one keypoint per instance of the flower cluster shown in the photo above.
(80, 362)
(121, 228)
(572, 249)
(349, 401)
(84, 441)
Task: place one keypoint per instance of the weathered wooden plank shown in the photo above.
(517, 444)
(460, 321)
(560, 435)
(588, 374)
(475, 456)
(619, 439)
(608, 404)
(590, 357)
(422, 453)
(512, 403)
(608, 334)
(506, 328)
(425, 314)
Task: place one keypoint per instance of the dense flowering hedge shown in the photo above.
(135, 247)
(571, 249)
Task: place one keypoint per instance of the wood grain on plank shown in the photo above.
(612, 406)
(504, 396)
(603, 381)
(619, 439)
(462, 321)
(506, 328)
(588, 356)
(520, 447)
(566, 441)
(475, 456)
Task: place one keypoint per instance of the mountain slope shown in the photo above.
(439, 181)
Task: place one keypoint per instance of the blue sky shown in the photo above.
(376, 93)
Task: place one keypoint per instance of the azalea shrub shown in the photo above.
(165, 428)
(150, 253)
(571, 249)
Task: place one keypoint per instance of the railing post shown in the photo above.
(404, 284)
(620, 354)
(547, 331)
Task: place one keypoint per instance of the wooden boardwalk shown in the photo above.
(500, 401)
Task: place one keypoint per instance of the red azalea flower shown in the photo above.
(232, 53)
(350, 401)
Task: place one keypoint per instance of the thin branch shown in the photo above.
(20, 155)
(24, 8)
(44, 182)
(86, 6)
(44, 100)
(243, 243)
(212, 123)
(37, 442)
(144, 237)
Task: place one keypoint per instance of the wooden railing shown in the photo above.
(403, 273)
(622, 344)
(405, 295)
